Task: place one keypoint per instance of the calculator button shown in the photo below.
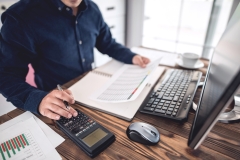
(76, 130)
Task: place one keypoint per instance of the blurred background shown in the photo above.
(170, 25)
(175, 26)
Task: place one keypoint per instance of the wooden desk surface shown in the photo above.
(223, 141)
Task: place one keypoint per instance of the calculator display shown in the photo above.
(94, 137)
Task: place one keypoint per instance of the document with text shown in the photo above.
(126, 84)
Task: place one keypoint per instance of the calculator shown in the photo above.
(86, 133)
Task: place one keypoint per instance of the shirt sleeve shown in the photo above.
(107, 45)
(17, 50)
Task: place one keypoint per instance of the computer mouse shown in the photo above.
(143, 133)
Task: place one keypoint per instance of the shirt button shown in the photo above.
(67, 9)
(80, 42)
(59, 8)
(83, 60)
(76, 22)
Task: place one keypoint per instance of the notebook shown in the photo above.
(83, 89)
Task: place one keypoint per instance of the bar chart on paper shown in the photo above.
(20, 147)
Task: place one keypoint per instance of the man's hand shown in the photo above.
(140, 60)
(52, 105)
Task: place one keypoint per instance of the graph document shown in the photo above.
(22, 146)
(26, 141)
(126, 84)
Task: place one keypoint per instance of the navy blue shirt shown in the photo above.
(58, 44)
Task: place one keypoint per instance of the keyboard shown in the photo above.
(86, 133)
(173, 95)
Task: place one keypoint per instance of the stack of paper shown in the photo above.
(26, 137)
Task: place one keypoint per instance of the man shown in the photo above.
(57, 37)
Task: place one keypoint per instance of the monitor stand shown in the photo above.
(227, 117)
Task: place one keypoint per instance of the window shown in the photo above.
(183, 25)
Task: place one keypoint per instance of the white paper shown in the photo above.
(5, 106)
(30, 142)
(110, 67)
(93, 81)
(168, 59)
(53, 137)
(126, 84)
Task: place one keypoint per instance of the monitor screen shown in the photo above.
(222, 80)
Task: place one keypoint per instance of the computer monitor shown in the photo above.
(222, 81)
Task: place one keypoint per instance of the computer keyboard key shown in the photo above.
(170, 109)
(148, 104)
(151, 100)
(167, 98)
(159, 107)
(171, 106)
(155, 103)
(160, 111)
(175, 98)
(168, 113)
(160, 95)
(148, 109)
(166, 104)
(164, 108)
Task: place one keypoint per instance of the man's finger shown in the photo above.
(69, 92)
(146, 60)
(60, 103)
(59, 110)
(140, 61)
(64, 96)
(50, 114)
(73, 111)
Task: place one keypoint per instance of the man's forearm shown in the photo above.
(20, 93)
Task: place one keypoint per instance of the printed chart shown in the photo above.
(20, 147)
(126, 84)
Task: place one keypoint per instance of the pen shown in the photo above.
(65, 102)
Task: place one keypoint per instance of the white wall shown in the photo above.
(135, 17)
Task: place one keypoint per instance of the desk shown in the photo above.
(223, 141)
